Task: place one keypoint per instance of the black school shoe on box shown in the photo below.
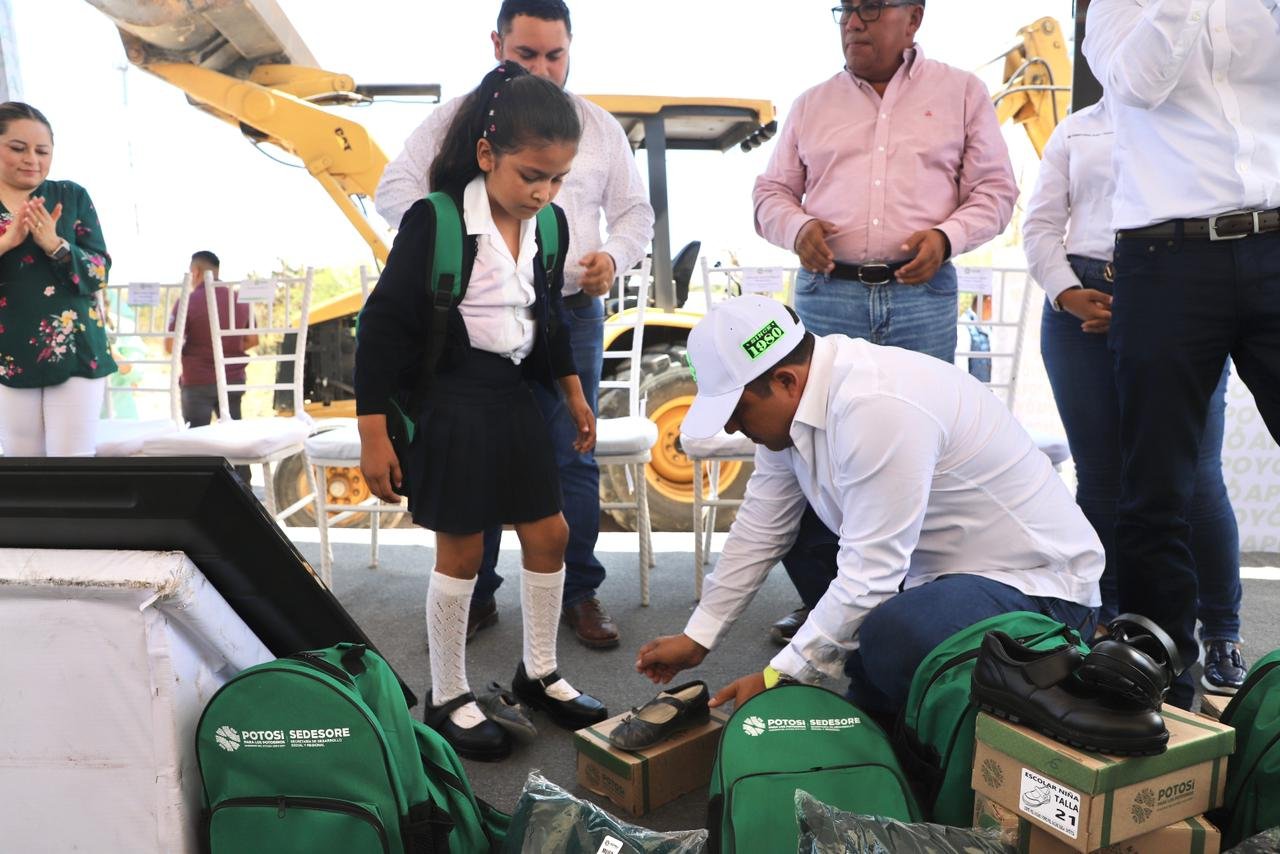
(1135, 660)
(1041, 690)
(583, 710)
(662, 717)
(484, 742)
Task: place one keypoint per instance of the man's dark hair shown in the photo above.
(206, 257)
(799, 355)
(12, 111)
(545, 10)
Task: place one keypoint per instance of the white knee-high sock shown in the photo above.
(540, 594)
(447, 602)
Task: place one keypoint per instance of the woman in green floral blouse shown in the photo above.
(54, 358)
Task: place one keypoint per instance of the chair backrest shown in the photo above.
(1000, 309)
(139, 319)
(278, 312)
(632, 289)
(720, 282)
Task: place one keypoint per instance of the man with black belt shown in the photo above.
(1192, 86)
(537, 34)
(880, 175)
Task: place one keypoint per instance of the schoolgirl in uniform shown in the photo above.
(481, 455)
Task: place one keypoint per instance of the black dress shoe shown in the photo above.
(785, 629)
(1041, 690)
(581, 711)
(1135, 660)
(484, 742)
(663, 716)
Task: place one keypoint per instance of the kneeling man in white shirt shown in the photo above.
(946, 510)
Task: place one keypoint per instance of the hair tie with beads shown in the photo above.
(503, 75)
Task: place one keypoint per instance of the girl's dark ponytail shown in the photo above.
(511, 108)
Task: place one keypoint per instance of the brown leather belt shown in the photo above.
(868, 274)
(1227, 226)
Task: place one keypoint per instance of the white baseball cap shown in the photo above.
(739, 339)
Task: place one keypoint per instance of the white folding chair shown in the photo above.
(1001, 313)
(279, 309)
(337, 446)
(711, 457)
(628, 440)
(143, 400)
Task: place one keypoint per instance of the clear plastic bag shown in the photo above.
(549, 820)
(1266, 842)
(827, 830)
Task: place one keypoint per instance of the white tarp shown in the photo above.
(107, 659)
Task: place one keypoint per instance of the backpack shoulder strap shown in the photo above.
(552, 239)
(446, 284)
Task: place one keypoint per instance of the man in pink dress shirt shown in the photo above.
(881, 174)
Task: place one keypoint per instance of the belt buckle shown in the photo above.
(1213, 225)
(1109, 272)
(862, 271)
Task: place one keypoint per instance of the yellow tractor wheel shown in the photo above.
(345, 485)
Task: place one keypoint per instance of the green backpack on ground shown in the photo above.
(798, 737)
(934, 734)
(318, 753)
(1253, 773)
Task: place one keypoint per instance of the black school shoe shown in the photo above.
(1040, 690)
(662, 717)
(484, 742)
(581, 711)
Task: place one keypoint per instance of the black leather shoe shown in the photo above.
(1135, 660)
(484, 742)
(581, 711)
(1041, 690)
(481, 617)
(785, 629)
(663, 716)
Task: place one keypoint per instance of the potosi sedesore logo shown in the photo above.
(756, 725)
(753, 726)
(758, 344)
(228, 738)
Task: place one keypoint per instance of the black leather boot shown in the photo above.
(1042, 691)
(577, 713)
(484, 742)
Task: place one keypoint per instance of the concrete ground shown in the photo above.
(387, 602)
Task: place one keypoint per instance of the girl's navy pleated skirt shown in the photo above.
(482, 455)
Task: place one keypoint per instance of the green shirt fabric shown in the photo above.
(51, 325)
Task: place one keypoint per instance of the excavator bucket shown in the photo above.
(228, 36)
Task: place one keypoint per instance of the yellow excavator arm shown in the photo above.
(1037, 82)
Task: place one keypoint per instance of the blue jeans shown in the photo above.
(914, 317)
(579, 473)
(1181, 307)
(898, 633)
(1082, 375)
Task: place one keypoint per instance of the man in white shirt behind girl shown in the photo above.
(946, 511)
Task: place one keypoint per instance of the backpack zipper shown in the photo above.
(282, 805)
(903, 788)
(1250, 682)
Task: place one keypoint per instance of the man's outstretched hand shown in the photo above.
(662, 658)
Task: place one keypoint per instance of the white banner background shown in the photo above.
(1251, 467)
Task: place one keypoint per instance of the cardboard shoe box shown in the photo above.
(1091, 800)
(643, 780)
(1189, 836)
(1213, 705)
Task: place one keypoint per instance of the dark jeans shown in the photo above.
(1082, 373)
(898, 633)
(1181, 307)
(200, 404)
(579, 473)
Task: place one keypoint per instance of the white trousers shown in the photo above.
(55, 421)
